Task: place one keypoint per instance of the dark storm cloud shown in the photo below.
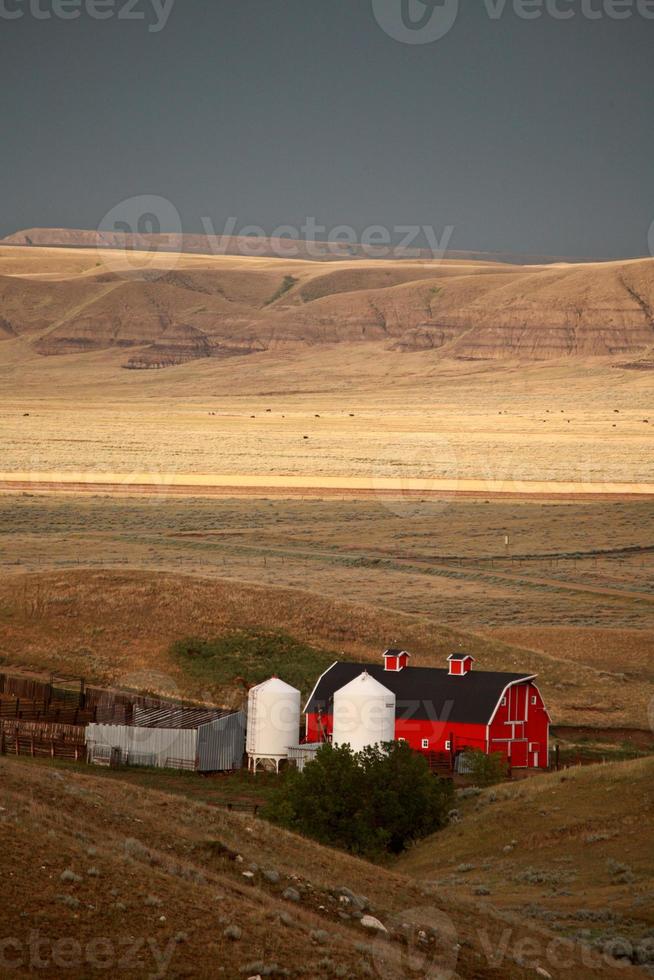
(525, 124)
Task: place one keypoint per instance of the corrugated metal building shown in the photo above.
(199, 739)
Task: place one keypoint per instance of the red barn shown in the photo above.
(449, 709)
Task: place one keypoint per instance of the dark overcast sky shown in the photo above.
(532, 136)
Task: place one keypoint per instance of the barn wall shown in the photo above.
(150, 746)
(415, 730)
(221, 743)
(520, 729)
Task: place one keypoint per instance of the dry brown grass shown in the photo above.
(159, 879)
(570, 826)
(379, 418)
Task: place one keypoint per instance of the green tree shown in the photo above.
(368, 803)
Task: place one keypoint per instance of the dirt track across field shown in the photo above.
(306, 486)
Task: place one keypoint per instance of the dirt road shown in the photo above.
(310, 486)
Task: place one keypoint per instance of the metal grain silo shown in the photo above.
(364, 713)
(273, 723)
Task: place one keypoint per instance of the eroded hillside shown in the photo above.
(188, 306)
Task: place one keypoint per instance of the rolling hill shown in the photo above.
(186, 889)
(189, 306)
(117, 627)
(569, 848)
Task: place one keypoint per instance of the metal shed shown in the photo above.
(199, 739)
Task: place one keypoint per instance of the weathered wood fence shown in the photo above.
(52, 741)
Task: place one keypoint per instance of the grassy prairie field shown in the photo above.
(342, 411)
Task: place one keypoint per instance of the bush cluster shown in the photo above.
(485, 770)
(369, 803)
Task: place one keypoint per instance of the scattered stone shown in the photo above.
(291, 895)
(286, 919)
(152, 901)
(481, 890)
(233, 932)
(358, 901)
(463, 868)
(93, 873)
(543, 973)
(320, 936)
(370, 922)
(271, 875)
(248, 874)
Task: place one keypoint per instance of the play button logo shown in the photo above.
(416, 21)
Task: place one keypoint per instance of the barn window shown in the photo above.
(533, 699)
(425, 743)
(448, 746)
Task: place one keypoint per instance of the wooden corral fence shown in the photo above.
(26, 699)
(441, 763)
(29, 709)
(41, 739)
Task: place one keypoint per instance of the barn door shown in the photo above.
(518, 754)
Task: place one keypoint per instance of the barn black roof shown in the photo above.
(423, 692)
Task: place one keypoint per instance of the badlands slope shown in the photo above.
(163, 308)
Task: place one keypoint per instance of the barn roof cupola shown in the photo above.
(395, 659)
(460, 664)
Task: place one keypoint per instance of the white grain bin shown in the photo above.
(273, 723)
(364, 713)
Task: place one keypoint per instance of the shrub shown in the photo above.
(254, 655)
(287, 284)
(371, 802)
(485, 770)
